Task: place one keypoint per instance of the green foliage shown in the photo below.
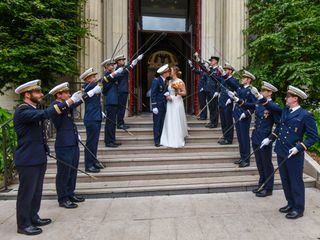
(4, 116)
(316, 147)
(284, 43)
(39, 39)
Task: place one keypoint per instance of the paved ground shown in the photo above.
(194, 217)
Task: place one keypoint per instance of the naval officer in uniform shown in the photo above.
(242, 116)
(67, 146)
(110, 92)
(201, 90)
(92, 121)
(264, 122)
(30, 156)
(159, 91)
(226, 105)
(123, 87)
(295, 123)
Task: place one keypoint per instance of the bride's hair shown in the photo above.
(177, 71)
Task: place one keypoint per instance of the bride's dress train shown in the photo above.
(175, 127)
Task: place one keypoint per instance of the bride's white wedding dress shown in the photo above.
(175, 127)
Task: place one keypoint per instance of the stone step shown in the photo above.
(150, 148)
(157, 159)
(149, 131)
(147, 121)
(128, 140)
(162, 172)
(98, 189)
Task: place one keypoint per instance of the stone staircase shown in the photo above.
(137, 168)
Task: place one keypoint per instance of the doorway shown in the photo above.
(153, 18)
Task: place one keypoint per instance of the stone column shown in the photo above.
(236, 14)
(115, 25)
(92, 53)
(212, 38)
(109, 19)
(222, 24)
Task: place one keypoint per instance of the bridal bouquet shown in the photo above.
(176, 86)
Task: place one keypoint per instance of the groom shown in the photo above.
(159, 91)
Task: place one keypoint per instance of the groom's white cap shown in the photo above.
(163, 69)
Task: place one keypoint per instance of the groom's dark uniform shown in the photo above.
(159, 102)
(158, 88)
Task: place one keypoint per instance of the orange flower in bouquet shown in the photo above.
(177, 85)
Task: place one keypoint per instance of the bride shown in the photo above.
(175, 122)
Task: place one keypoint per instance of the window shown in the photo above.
(163, 23)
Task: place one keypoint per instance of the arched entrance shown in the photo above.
(148, 20)
(155, 60)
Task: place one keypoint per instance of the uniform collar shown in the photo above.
(31, 105)
(245, 86)
(162, 78)
(294, 109)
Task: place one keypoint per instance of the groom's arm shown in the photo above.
(154, 90)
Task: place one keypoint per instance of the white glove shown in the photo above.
(166, 94)
(201, 89)
(216, 94)
(134, 62)
(228, 102)
(103, 115)
(140, 57)
(76, 97)
(190, 63)
(265, 142)
(79, 137)
(293, 151)
(119, 70)
(221, 70)
(242, 116)
(155, 110)
(233, 96)
(256, 93)
(95, 90)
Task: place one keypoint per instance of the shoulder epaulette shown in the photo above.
(23, 104)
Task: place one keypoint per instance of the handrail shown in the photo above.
(8, 148)
(6, 122)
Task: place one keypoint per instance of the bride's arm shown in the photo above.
(182, 91)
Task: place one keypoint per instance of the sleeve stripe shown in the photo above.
(275, 135)
(57, 109)
(304, 146)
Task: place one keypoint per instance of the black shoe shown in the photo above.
(68, 204)
(123, 126)
(211, 126)
(93, 169)
(99, 165)
(255, 190)
(285, 209)
(117, 143)
(157, 144)
(244, 164)
(41, 222)
(294, 215)
(76, 199)
(264, 193)
(31, 230)
(201, 119)
(225, 142)
(111, 145)
(238, 161)
(221, 140)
